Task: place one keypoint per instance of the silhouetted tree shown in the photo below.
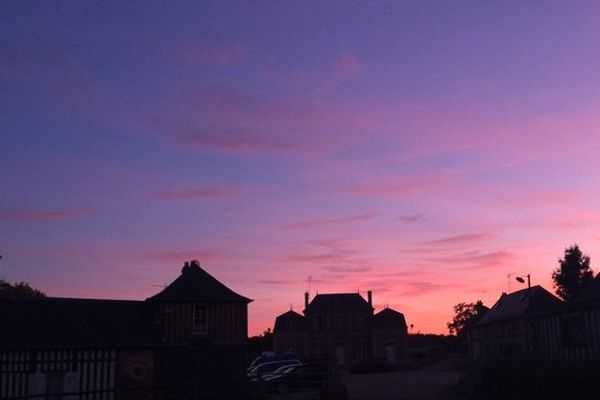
(260, 343)
(19, 289)
(465, 314)
(572, 274)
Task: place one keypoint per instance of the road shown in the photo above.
(426, 383)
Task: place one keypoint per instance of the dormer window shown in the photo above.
(200, 320)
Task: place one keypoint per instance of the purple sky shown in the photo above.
(423, 150)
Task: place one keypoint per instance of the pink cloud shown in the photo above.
(346, 64)
(411, 218)
(243, 121)
(557, 197)
(348, 269)
(397, 187)
(240, 141)
(476, 259)
(247, 106)
(330, 242)
(276, 282)
(467, 238)
(330, 256)
(576, 218)
(202, 193)
(422, 288)
(319, 222)
(31, 215)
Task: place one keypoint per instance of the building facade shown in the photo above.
(187, 341)
(514, 325)
(342, 329)
(534, 323)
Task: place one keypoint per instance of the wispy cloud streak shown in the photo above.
(200, 193)
(460, 239)
(32, 215)
(320, 222)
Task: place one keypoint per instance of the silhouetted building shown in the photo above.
(341, 329)
(187, 341)
(519, 323)
(538, 324)
(580, 326)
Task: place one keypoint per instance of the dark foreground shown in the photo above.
(428, 382)
(431, 382)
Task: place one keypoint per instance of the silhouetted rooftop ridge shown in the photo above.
(520, 304)
(338, 301)
(195, 284)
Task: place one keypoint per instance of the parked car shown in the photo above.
(283, 370)
(268, 367)
(264, 358)
(296, 378)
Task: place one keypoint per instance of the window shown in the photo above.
(200, 320)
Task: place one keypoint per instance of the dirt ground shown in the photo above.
(427, 383)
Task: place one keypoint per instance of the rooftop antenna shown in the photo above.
(291, 307)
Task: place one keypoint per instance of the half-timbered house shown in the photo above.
(534, 323)
(187, 341)
(524, 322)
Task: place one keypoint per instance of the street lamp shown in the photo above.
(530, 334)
(520, 279)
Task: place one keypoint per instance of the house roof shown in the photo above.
(388, 317)
(352, 302)
(289, 321)
(64, 322)
(518, 304)
(195, 284)
(591, 292)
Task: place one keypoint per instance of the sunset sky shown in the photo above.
(422, 150)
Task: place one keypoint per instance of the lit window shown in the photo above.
(200, 323)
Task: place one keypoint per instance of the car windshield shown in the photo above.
(255, 362)
(284, 370)
(283, 359)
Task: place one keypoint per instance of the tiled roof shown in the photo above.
(339, 302)
(63, 322)
(195, 284)
(289, 321)
(388, 318)
(519, 304)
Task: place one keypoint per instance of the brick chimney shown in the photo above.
(370, 298)
(305, 300)
(186, 268)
